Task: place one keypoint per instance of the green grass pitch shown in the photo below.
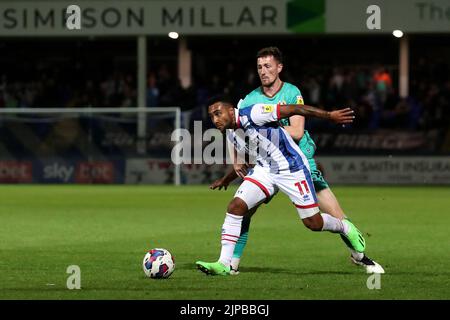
(106, 230)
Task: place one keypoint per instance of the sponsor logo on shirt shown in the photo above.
(267, 108)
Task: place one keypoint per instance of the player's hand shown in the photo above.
(219, 183)
(240, 169)
(342, 116)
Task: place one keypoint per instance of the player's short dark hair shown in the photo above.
(223, 98)
(270, 51)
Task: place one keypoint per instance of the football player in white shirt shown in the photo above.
(279, 165)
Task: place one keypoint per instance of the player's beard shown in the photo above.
(229, 124)
(270, 84)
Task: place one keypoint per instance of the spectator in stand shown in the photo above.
(370, 89)
(313, 90)
(152, 91)
(383, 84)
(336, 87)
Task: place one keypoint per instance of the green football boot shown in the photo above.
(354, 239)
(213, 268)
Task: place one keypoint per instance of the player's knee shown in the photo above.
(237, 206)
(314, 223)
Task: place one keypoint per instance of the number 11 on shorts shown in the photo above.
(301, 188)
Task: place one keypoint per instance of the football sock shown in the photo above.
(333, 224)
(242, 241)
(231, 231)
(235, 263)
(239, 249)
(357, 255)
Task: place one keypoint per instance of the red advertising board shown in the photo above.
(94, 172)
(16, 172)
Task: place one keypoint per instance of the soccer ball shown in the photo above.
(158, 263)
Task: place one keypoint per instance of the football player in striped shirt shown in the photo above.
(280, 165)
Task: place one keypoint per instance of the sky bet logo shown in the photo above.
(81, 172)
(59, 172)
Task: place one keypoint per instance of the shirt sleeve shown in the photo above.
(296, 97)
(264, 113)
(243, 103)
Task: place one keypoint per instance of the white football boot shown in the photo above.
(370, 265)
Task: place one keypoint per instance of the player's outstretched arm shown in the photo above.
(343, 116)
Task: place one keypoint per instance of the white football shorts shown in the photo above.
(260, 185)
